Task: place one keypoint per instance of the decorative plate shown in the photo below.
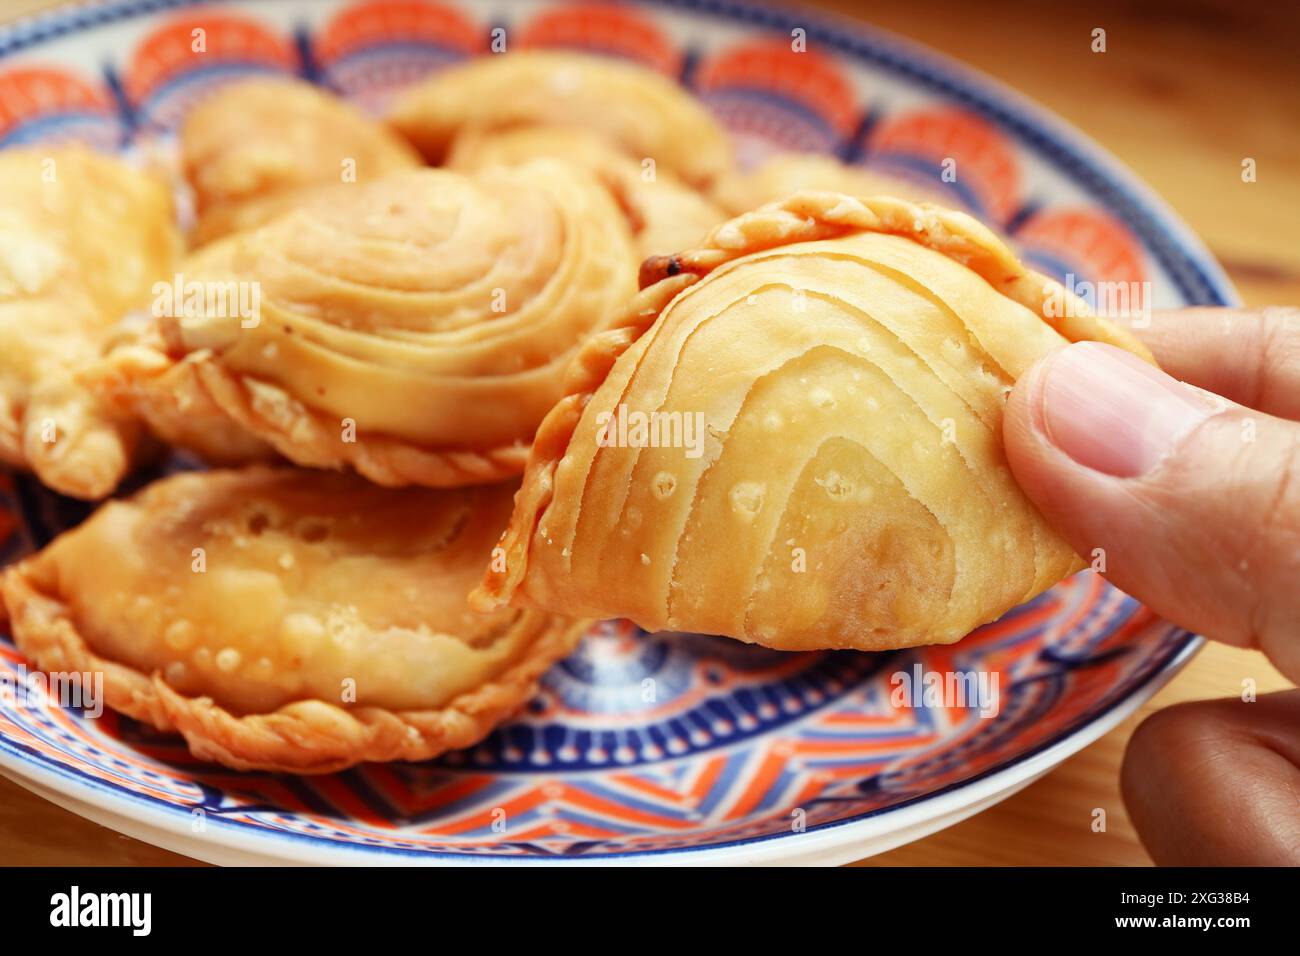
(740, 754)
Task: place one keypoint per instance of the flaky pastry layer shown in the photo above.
(415, 329)
(848, 359)
(665, 214)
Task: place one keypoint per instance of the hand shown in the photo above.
(1193, 493)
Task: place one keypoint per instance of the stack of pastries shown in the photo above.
(401, 344)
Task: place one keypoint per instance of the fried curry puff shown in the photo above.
(415, 329)
(288, 620)
(257, 148)
(631, 129)
(663, 212)
(83, 238)
(647, 115)
(845, 361)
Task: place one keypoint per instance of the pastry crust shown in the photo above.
(849, 358)
(82, 239)
(136, 377)
(415, 329)
(258, 148)
(311, 583)
(665, 214)
(648, 115)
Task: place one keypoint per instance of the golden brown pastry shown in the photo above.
(785, 174)
(83, 238)
(416, 328)
(288, 620)
(646, 114)
(136, 376)
(794, 437)
(665, 214)
(258, 147)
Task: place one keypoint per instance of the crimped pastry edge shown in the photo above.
(103, 450)
(268, 414)
(586, 373)
(307, 438)
(812, 215)
(304, 737)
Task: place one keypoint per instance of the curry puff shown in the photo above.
(82, 239)
(416, 329)
(663, 212)
(794, 437)
(288, 620)
(257, 148)
(647, 115)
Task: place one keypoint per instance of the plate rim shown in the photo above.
(16, 760)
(1034, 127)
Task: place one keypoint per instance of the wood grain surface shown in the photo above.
(1183, 94)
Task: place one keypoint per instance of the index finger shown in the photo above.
(1251, 356)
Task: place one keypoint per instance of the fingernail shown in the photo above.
(1114, 413)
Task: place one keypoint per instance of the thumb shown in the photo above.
(1185, 500)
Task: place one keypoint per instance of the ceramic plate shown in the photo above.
(743, 754)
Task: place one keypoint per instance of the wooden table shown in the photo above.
(1184, 93)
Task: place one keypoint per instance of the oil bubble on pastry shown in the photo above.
(794, 437)
(416, 328)
(83, 238)
(665, 214)
(648, 115)
(788, 173)
(256, 148)
(288, 620)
